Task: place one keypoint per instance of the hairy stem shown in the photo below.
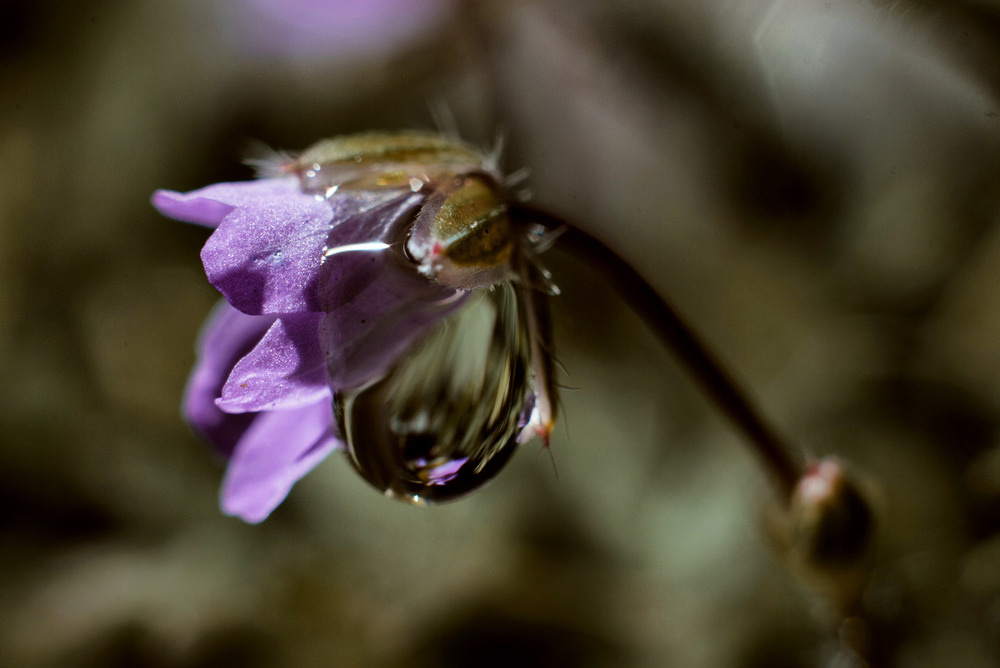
(680, 339)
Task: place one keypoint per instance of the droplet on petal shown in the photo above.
(446, 417)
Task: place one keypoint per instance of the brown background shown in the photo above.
(814, 183)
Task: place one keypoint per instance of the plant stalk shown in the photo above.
(784, 469)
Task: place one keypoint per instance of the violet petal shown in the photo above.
(275, 452)
(345, 272)
(226, 336)
(208, 206)
(265, 254)
(327, 28)
(366, 335)
(286, 370)
(376, 302)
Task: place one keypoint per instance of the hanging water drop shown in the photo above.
(445, 419)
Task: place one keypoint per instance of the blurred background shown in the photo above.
(814, 183)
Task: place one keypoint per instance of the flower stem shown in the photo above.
(679, 338)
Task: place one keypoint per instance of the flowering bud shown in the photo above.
(833, 524)
(380, 302)
(827, 533)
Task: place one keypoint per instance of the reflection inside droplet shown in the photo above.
(445, 419)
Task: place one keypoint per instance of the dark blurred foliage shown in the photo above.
(814, 183)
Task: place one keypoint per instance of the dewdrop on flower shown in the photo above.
(396, 307)
(447, 415)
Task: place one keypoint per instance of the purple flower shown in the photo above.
(328, 28)
(352, 322)
(268, 451)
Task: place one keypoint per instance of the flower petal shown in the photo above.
(226, 336)
(208, 206)
(377, 304)
(367, 334)
(286, 370)
(352, 262)
(333, 29)
(265, 254)
(279, 448)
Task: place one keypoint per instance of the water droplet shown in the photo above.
(446, 417)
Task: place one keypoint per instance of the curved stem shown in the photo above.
(680, 338)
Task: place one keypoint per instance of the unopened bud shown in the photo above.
(833, 523)
(828, 532)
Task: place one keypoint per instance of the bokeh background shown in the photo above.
(814, 183)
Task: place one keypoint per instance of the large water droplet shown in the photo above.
(445, 419)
